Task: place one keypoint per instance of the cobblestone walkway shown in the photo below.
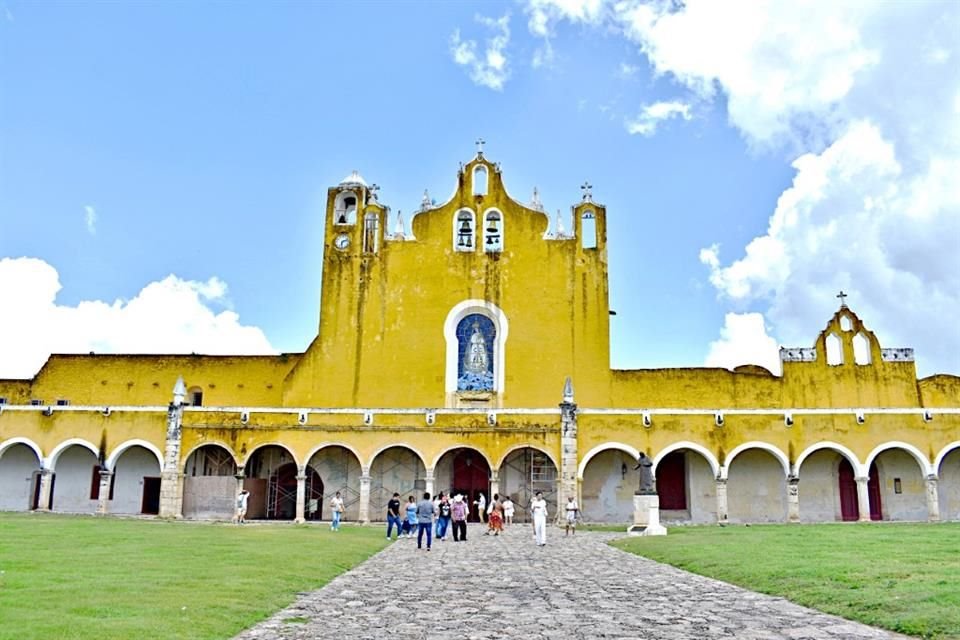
(507, 587)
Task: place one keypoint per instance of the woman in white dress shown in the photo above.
(538, 509)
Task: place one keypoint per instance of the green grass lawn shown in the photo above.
(86, 577)
(903, 577)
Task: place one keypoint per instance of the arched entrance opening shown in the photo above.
(136, 482)
(210, 484)
(465, 471)
(19, 478)
(609, 481)
(75, 485)
(339, 470)
(827, 490)
(902, 487)
(523, 473)
(948, 487)
(395, 469)
(270, 476)
(686, 487)
(756, 487)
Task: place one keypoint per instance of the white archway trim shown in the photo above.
(51, 461)
(779, 455)
(909, 448)
(243, 466)
(519, 447)
(502, 327)
(832, 446)
(440, 455)
(210, 443)
(6, 444)
(600, 448)
(326, 445)
(940, 456)
(376, 453)
(118, 451)
(693, 446)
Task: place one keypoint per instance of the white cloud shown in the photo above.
(867, 98)
(652, 115)
(90, 217)
(628, 70)
(491, 67)
(744, 340)
(168, 316)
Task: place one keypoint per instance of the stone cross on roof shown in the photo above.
(843, 301)
(587, 189)
(374, 191)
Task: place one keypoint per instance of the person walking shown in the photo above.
(496, 518)
(538, 509)
(494, 505)
(458, 513)
(573, 512)
(410, 524)
(242, 501)
(507, 510)
(336, 506)
(443, 517)
(436, 509)
(393, 515)
(425, 513)
(481, 503)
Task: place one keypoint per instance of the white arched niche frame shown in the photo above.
(500, 324)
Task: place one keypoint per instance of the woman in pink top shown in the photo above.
(458, 513)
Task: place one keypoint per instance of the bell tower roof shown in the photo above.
(353, 180)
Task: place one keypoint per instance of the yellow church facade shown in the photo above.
(469, 353)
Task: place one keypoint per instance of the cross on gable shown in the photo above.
(842, 296)
(587, 189)
(374, 191)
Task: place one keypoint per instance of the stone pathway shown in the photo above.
(507, 587)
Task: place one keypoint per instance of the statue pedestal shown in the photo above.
(646, 516)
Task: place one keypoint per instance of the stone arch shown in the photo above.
(925, 467)
(210, 495)
(51, 461)
(600, 448)
(834, 446)
(522, 472)
(6, 444)
(246, 460)
(502, 330)
(271, 479)
(404, 445)
(693, 446)
(211, 443)
(518, 447)
(339, 468)
(756, 444)
(20, 468)
(947, 468)
(136, 442)
(394, 468)
(464, 469)
(462, 445)
(943, 454)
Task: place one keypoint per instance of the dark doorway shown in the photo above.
(35, 503)
(672, 481)
(849, 503)
(873, 490)
(151, 496)
(282, 491)
(471, 476)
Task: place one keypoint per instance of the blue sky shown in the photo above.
(144, 140)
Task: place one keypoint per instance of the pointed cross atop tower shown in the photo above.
(587, 189)
(374, 191)
(843, 301)
(425, 202)
(535, 201)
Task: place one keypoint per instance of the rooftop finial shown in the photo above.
(843, 301)
(568, 390)
(425, 202)
(480, 142)
(587, 189)
(398, 231)
(535, 200)
(374, 191)
(560, 229)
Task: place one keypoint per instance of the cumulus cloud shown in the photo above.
(866, 98)
(168, 316)
(489, 68)
(652, 115)
(744, 340)
(90, 218)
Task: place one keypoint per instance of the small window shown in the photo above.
(834, 350)
(36, 402)
(588, 230)
(345, 209)
(3, 400)
(846, 324)
(463, 232)
(62, 402)
(480, 181)
(371, 225)
(861, 349)
(493, 232)
(196, 397)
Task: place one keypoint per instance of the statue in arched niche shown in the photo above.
(475, 334)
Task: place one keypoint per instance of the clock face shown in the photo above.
(341, 242)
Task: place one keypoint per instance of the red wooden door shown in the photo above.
(849, 504)
(873, 489)
(471, 476)
(672, 481)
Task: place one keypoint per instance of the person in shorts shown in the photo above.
(242, 501)
(573, 512)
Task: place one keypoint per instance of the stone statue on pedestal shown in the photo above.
(645, 465)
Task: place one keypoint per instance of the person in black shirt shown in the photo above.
(393, 515)
(443, 521)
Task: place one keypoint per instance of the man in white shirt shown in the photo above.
(538, 509)
(573, 510)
